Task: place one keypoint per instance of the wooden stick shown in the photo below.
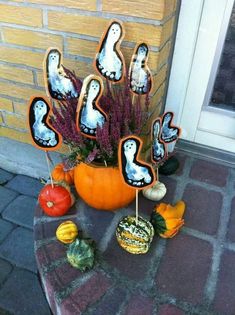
(110, 88)
(50, 159)
(52, 102)
(167, 150)
(136, 206)
(157, 174)
(49, 171)
(133, 99)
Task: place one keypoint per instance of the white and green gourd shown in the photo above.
(134, 237)
(156, 192)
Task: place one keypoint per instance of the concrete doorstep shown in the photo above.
(22, 158)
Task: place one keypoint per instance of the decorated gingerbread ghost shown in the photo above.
(158, 150)
(135, 172)
(139, 72)
(44, 136)
(109, 60)
(60, 83)
(89, 113)
(169, 132)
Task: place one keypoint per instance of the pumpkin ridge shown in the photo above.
(102, 187)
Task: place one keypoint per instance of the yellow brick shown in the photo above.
(167, 30)
(20, 15)
(156, 106)
(155, 113)
(164, 53)
(21, 108)
(81, 69)
(15, 121)
(76, 23)
(159, 78)
(15, 134)
(16, 74)
(152, 61)
(20, 56)
(135, 32)
(170, 6)
(19, 91)
(138, 32)
(82, 47)
(151, 9)
(87, 48)
(6, 104)
(40, 78)
(31, 39)
(157, 97)
(175, 5)
(24, 136)
(81, 4)
(1, 121)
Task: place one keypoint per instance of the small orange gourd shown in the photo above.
(60, 174)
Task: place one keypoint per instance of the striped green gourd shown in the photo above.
(134, 238)
(80, 254)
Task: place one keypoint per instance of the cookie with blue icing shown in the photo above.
(139, 73)
(136, 173)
(89, 113)
(109, 61)
(158, 149)
(60, 83)
(44, 136)
(169, 132)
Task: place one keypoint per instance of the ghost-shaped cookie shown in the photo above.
(89, 113)
(139, 73)
(59, 84)
(169, 132)
(158, 149)
(109, 60)
(44, 136)
(136, 173)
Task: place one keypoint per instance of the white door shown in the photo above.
(201, 33)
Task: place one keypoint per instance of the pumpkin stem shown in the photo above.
(50, 204)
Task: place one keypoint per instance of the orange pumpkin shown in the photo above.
(60, 174)
(102, 187)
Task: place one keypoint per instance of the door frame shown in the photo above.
(202, 23)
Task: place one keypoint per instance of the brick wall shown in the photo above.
(28, 28)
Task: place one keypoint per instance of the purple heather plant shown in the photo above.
(126, 115)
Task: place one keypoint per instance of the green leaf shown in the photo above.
(158, 223)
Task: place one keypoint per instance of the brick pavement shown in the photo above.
(20, 289)
(192, 273)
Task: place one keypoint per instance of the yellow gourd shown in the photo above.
(67, 232)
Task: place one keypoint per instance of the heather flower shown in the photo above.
(102, 136)
(92, 155)
(125, 117)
